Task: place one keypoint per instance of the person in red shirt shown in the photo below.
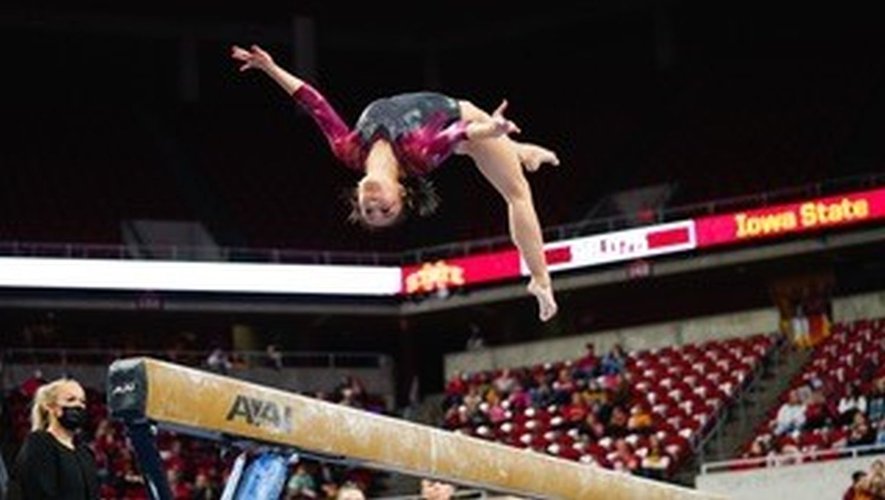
(623, 457)
(852, 492)
(404, 137)
(576, 411)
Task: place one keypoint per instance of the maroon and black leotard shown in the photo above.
(422, 127)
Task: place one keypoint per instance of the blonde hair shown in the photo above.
(350, 491)
(45, 395)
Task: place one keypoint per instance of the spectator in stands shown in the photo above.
(851, 402)
(623, 458)
(329, 489)
(595, 394)
(179, 488)
(588, 365)
(274, 357)
(204, 488)
(876, 406)
(350, 392)
(860, 433)
(542, 393)
(457, 417)
(520, 398)
(350, 491)
(804, 392)
(563, 387)
(614, 362)
(359, 477)
(218, 361)
(873, 484)
(172, 457)
(506, 382)
(592, 427)
(435, 490)
(495, 409)
(576, 411)
(790, 416)
(818, 411)
(759, 448)
(640, 420)
(52, 462)
(880, 432)
(473, 398)
(655, 463)
(405, 137)
(617, 424)
(456, 388)
(621, 389)
(330, 480)
(853, 492)
(868, 368)
(301, 484)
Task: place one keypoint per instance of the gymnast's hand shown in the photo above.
(255, 57)
(502, 125)
(496, 126)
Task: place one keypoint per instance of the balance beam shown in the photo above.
(144, 390)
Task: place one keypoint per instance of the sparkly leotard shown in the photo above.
(422, 127)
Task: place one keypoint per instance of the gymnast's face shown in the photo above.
(380, 201)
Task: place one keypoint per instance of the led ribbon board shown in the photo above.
(619, 246)
(793, 218)
(180, 276)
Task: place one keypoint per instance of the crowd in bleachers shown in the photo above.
(643, 412)
(837, 400)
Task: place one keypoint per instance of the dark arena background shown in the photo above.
(714, 234)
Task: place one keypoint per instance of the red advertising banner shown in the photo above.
(793, 218)
(650, 241)
(621, 246)
(451, 273)
(561, 255)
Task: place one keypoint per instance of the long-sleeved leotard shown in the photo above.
(422, 127)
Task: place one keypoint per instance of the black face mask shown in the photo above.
(72, 417)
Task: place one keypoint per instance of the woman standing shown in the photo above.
(51, 463)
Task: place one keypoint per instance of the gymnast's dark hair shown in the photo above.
(420, 199)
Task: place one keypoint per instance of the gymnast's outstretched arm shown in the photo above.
(342, 139)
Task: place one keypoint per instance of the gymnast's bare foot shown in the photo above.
(546, 303)
(533, 156)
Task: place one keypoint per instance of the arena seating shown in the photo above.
(851, 356)
(672, 395)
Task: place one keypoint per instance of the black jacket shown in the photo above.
(46, 469)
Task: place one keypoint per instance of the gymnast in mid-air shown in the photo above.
(400, 139)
